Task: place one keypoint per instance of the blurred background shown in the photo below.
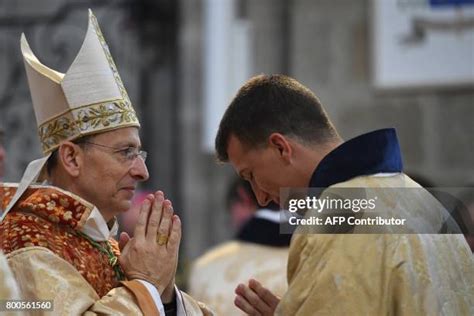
(407, 64)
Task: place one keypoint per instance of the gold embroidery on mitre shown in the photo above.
(105, 47)
(86, 120)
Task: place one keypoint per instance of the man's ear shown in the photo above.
(282, 144)
(71, 157)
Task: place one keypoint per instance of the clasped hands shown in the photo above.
(152, 253)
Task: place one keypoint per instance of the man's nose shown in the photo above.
(139, 170)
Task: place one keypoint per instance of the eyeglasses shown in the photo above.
(129, 153)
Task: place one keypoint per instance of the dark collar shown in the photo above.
(264, 232)
(370, 153)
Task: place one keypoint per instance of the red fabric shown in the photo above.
(48, 218)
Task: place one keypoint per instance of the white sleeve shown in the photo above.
(155, 294)
(180, 309)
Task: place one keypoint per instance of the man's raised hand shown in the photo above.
(254, 299)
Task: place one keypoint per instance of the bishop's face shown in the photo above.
(110, 173)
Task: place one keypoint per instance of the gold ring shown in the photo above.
(161, 239)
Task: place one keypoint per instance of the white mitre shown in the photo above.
(88, 99)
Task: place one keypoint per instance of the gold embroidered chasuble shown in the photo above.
(380, 274)
(52, 259)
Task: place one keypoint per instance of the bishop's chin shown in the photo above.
(124, 206)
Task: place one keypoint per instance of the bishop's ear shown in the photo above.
(282, 144)
(70, 157)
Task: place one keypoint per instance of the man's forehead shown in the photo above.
(127, 135)
(235, 148)
(237, 153)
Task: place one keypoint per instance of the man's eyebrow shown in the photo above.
(127, 144)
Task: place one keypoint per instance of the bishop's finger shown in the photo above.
(140, 227)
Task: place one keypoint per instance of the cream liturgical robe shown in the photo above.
(383, 273)
(216, 274)
(380, 274)
(8, 287)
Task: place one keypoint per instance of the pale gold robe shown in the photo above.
(216, 274)
(43, 275)
(376, 274)
(8, 286)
